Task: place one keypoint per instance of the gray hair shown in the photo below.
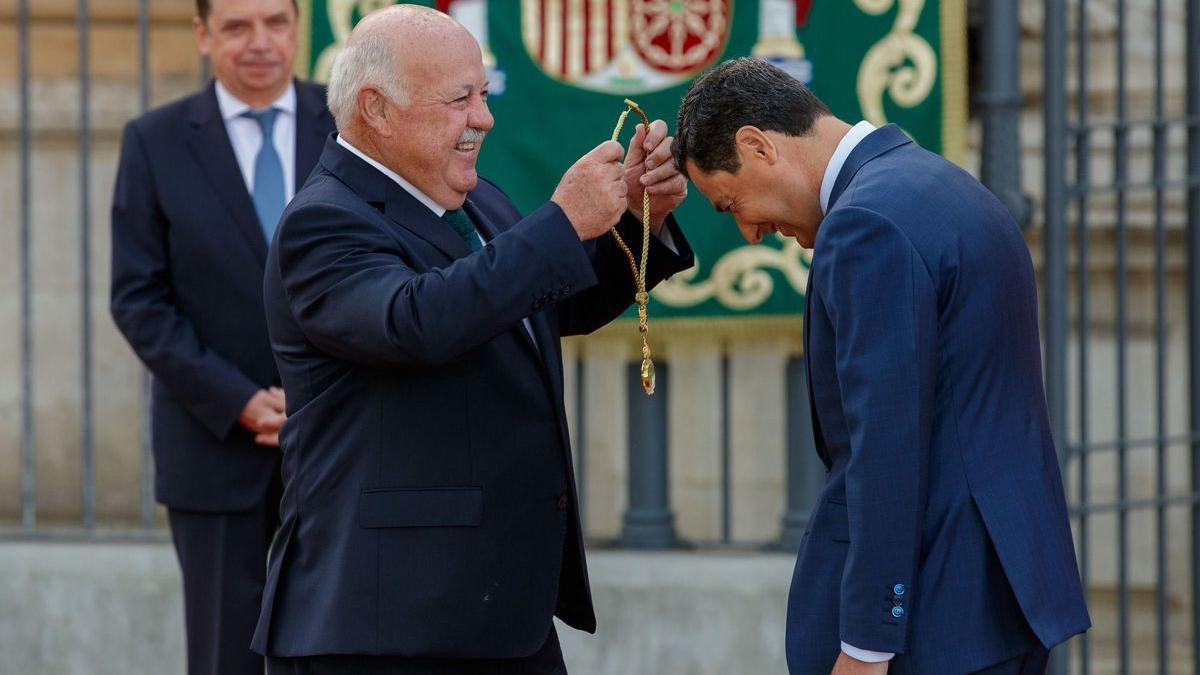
(367, 61)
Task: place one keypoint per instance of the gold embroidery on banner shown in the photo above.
(902, 64)
(740, 279)
(531, 25)
(576, 26)
(341, 22)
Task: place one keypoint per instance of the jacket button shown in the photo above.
(897, 612)
(899, 589)
(562, 503)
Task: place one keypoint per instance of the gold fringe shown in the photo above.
(722, 330)
(303, 66)
(953, 27)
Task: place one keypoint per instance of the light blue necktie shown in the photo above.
(269, 198)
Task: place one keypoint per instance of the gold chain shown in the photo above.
(639, 269)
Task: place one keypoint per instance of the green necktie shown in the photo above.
(462, 224)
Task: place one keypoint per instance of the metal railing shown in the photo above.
(1072, 140)
(148, 526)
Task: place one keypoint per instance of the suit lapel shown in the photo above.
(818, 436)
(404, 210)
(399, 206)
(209, 142)
(537, 320)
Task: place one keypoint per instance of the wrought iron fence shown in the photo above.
(1091, 223)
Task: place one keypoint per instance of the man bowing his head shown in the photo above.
(430, 522)
(940, 542)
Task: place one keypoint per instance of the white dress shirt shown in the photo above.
(246, 135)
(850, 141)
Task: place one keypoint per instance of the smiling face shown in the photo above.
(768, 193)
(251, 45)
(435, 139)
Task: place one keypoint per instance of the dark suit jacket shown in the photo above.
(187, 266)
(429, 505)
(942, 531)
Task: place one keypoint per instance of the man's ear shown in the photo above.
(373, 110)
(201, 31)
(754, 145)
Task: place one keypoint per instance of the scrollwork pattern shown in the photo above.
(902, 64)
(740, 280)
(341, 22)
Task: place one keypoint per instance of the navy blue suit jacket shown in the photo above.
(942, 532)
(429, 505)
(187, 267)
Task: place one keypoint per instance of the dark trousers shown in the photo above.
(223, 557)
(546, 661)
(1029, 663)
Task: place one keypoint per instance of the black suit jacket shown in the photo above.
(429, 506)
(187, 265)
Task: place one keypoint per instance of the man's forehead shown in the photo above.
(433, 75)
(238, 8)
(708, 183)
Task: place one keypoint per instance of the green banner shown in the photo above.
(559, 70)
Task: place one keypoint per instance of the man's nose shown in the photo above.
(481, 118)
(749, 233)
(259, 38)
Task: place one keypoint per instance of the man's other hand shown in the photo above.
(264, 415)
(592, 192)
(649, 166)
(848, 665)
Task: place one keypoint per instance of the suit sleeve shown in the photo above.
(355, 296)
(882, 304)
(591, 309)
(142, 302)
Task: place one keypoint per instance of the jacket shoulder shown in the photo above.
(167, 118)
(314, 88)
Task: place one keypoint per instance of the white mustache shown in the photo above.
(472, 135)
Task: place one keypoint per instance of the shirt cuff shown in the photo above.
(668, 239)
(866, 655)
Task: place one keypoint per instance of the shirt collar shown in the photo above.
(232, 107)
(850, 141)
(438, 210)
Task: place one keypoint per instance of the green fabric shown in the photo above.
(875, 59)
(463, 226)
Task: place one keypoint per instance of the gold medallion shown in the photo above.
(639, 269)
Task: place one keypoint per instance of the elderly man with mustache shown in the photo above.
(430, 522)
(199, 190)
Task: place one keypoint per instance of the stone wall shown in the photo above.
(96, 609)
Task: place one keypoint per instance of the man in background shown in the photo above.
(199, 190)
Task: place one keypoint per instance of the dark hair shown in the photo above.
(740, 92)
(204, 8)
